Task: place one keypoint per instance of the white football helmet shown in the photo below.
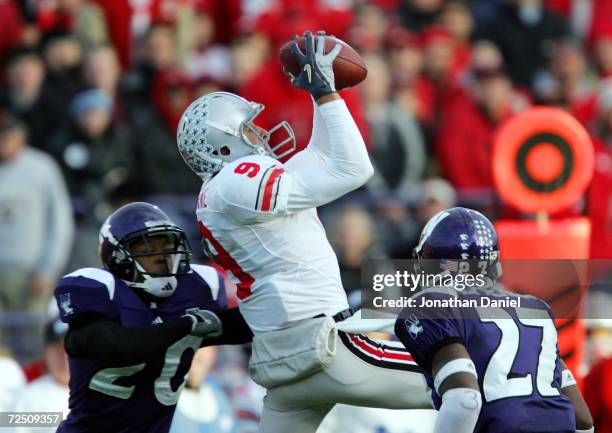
(211, 133)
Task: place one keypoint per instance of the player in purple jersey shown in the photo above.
(491, 366)
(134, 326)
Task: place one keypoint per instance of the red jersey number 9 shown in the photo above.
(249, 168)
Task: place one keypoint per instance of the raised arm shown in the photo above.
(336, 160)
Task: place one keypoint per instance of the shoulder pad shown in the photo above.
(87, 290)
(93, 277)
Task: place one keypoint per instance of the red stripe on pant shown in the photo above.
(379, 353)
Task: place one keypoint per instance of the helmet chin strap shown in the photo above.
(160, 287)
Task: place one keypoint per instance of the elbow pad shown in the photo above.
(459, 411)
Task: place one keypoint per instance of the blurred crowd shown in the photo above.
(91, 92)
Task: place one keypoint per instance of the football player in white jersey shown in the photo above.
(258, 218)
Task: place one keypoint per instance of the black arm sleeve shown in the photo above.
(235, 329)
(99, 337)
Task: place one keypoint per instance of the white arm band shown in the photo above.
(591, 430)
(461, 365)
(567, 379)
(459, 411)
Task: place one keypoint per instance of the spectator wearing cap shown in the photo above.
(36, 226)
(90, 148)
(50, 392)
(28, 97)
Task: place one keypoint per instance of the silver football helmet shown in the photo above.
(212, 133)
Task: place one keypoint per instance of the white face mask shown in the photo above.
(160, 287)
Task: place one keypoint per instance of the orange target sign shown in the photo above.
(542, 160)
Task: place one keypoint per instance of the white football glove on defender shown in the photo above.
(204, 323)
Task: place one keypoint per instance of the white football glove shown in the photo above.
(204, 323)
(316, 68)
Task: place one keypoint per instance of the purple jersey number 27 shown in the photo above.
(496, 383)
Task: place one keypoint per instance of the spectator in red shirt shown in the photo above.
(464, 140)
(438, 84)
(457, 19)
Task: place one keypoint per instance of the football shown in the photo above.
(349, 67)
